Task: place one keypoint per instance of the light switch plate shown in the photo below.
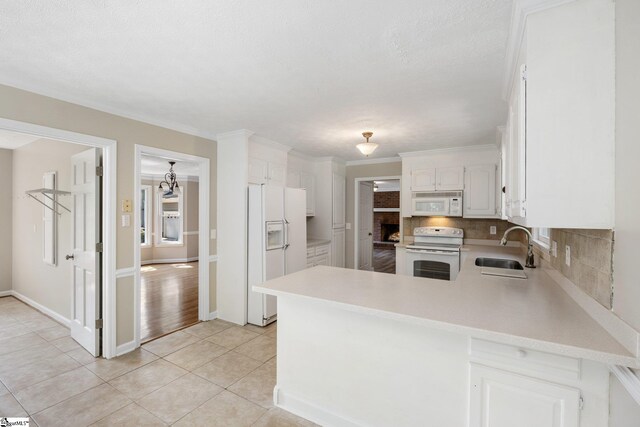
(126, 220)
(492, 229)
(567, 256)
(214, 234)
(554, 248)
(347, 226)
(126, 205)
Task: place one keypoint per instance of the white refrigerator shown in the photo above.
(277, 243)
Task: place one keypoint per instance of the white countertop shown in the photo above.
(317, 242)
(534, 313)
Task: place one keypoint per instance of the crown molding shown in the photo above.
(234, 134)
(373, 161)
(256, 139)
(482, 147)
(301, 156)
(519, 12)
(119, 112)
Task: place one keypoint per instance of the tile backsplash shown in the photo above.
(591, 261)
(473, 228)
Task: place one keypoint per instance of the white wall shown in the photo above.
(31, 277)
(6, 158)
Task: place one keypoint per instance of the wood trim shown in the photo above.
(213, 315)
(303, 408)
(373, 161)
(628, 379)
(125, 272)
(125, 348)
(168, 260)
(6, 293)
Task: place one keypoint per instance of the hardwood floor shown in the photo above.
(168, 298)
(384, 260)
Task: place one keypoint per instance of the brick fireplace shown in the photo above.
(385, 223)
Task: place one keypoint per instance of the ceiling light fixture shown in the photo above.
(367, 148)
(171, 181)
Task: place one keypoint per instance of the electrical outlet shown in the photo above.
(492, 229)
(567, 255)
(214, 234)
(554, 248)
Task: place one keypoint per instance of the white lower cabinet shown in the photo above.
(319, 255)
(505, 399)
(338, 247)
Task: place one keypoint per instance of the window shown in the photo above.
(145, 216)
(542, 236)
(170, 219)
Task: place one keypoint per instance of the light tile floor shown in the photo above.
(211, 374)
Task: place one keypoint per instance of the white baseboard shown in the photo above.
(6, 293)
(310, 411)
(168, 260)
(55, 316)
(213, 315)
(125, 348)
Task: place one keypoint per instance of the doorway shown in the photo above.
(378, 223)
(77, 192)
(172, 242)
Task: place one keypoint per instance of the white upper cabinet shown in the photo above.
(339, 194)
(423, 179)
(437, 179)
(308, 182)
(293, 179)
(258, 171)
(277, 174)
(450, 178)
(559, 163)
(479, 196)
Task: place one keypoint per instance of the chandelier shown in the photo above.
(171, 182)
(367, 148)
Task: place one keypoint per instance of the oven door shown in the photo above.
(430, 206)
(433, 263)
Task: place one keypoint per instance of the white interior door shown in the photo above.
(365, 225)
(85, 234)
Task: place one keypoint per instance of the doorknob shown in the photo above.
(370, 234)
(68, 257)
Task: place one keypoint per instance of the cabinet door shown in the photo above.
(293, 179)
(277, 174)
(423, 179)
(450, 178)
(504, 399)
(337, 248)
(308, 182)
(516, 185)
(339, 187)
(258, 171)
(480, 191)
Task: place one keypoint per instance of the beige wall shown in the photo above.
(45, 284)
(6, 157)
(29, 107)
(362, 171)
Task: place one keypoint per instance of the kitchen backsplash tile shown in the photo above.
(473, 228)
(591, 260)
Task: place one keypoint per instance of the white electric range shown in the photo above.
(435, 252)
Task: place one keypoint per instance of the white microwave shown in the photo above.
(436, 203)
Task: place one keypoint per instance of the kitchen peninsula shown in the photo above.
(364, 348)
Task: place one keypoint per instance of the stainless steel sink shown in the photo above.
(499, 263)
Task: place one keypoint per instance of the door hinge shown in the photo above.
(581, 403)
(99, 324)
(99, 247)
(523, 73)
(99, 170)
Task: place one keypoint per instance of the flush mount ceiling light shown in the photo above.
(171, 182)
(367, 148)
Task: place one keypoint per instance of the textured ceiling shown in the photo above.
(310, 74)
(152, 165)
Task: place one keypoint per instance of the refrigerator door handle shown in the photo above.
(286, 234)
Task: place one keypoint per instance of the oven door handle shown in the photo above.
(421, 251)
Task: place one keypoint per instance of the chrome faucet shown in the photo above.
(530, 261)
